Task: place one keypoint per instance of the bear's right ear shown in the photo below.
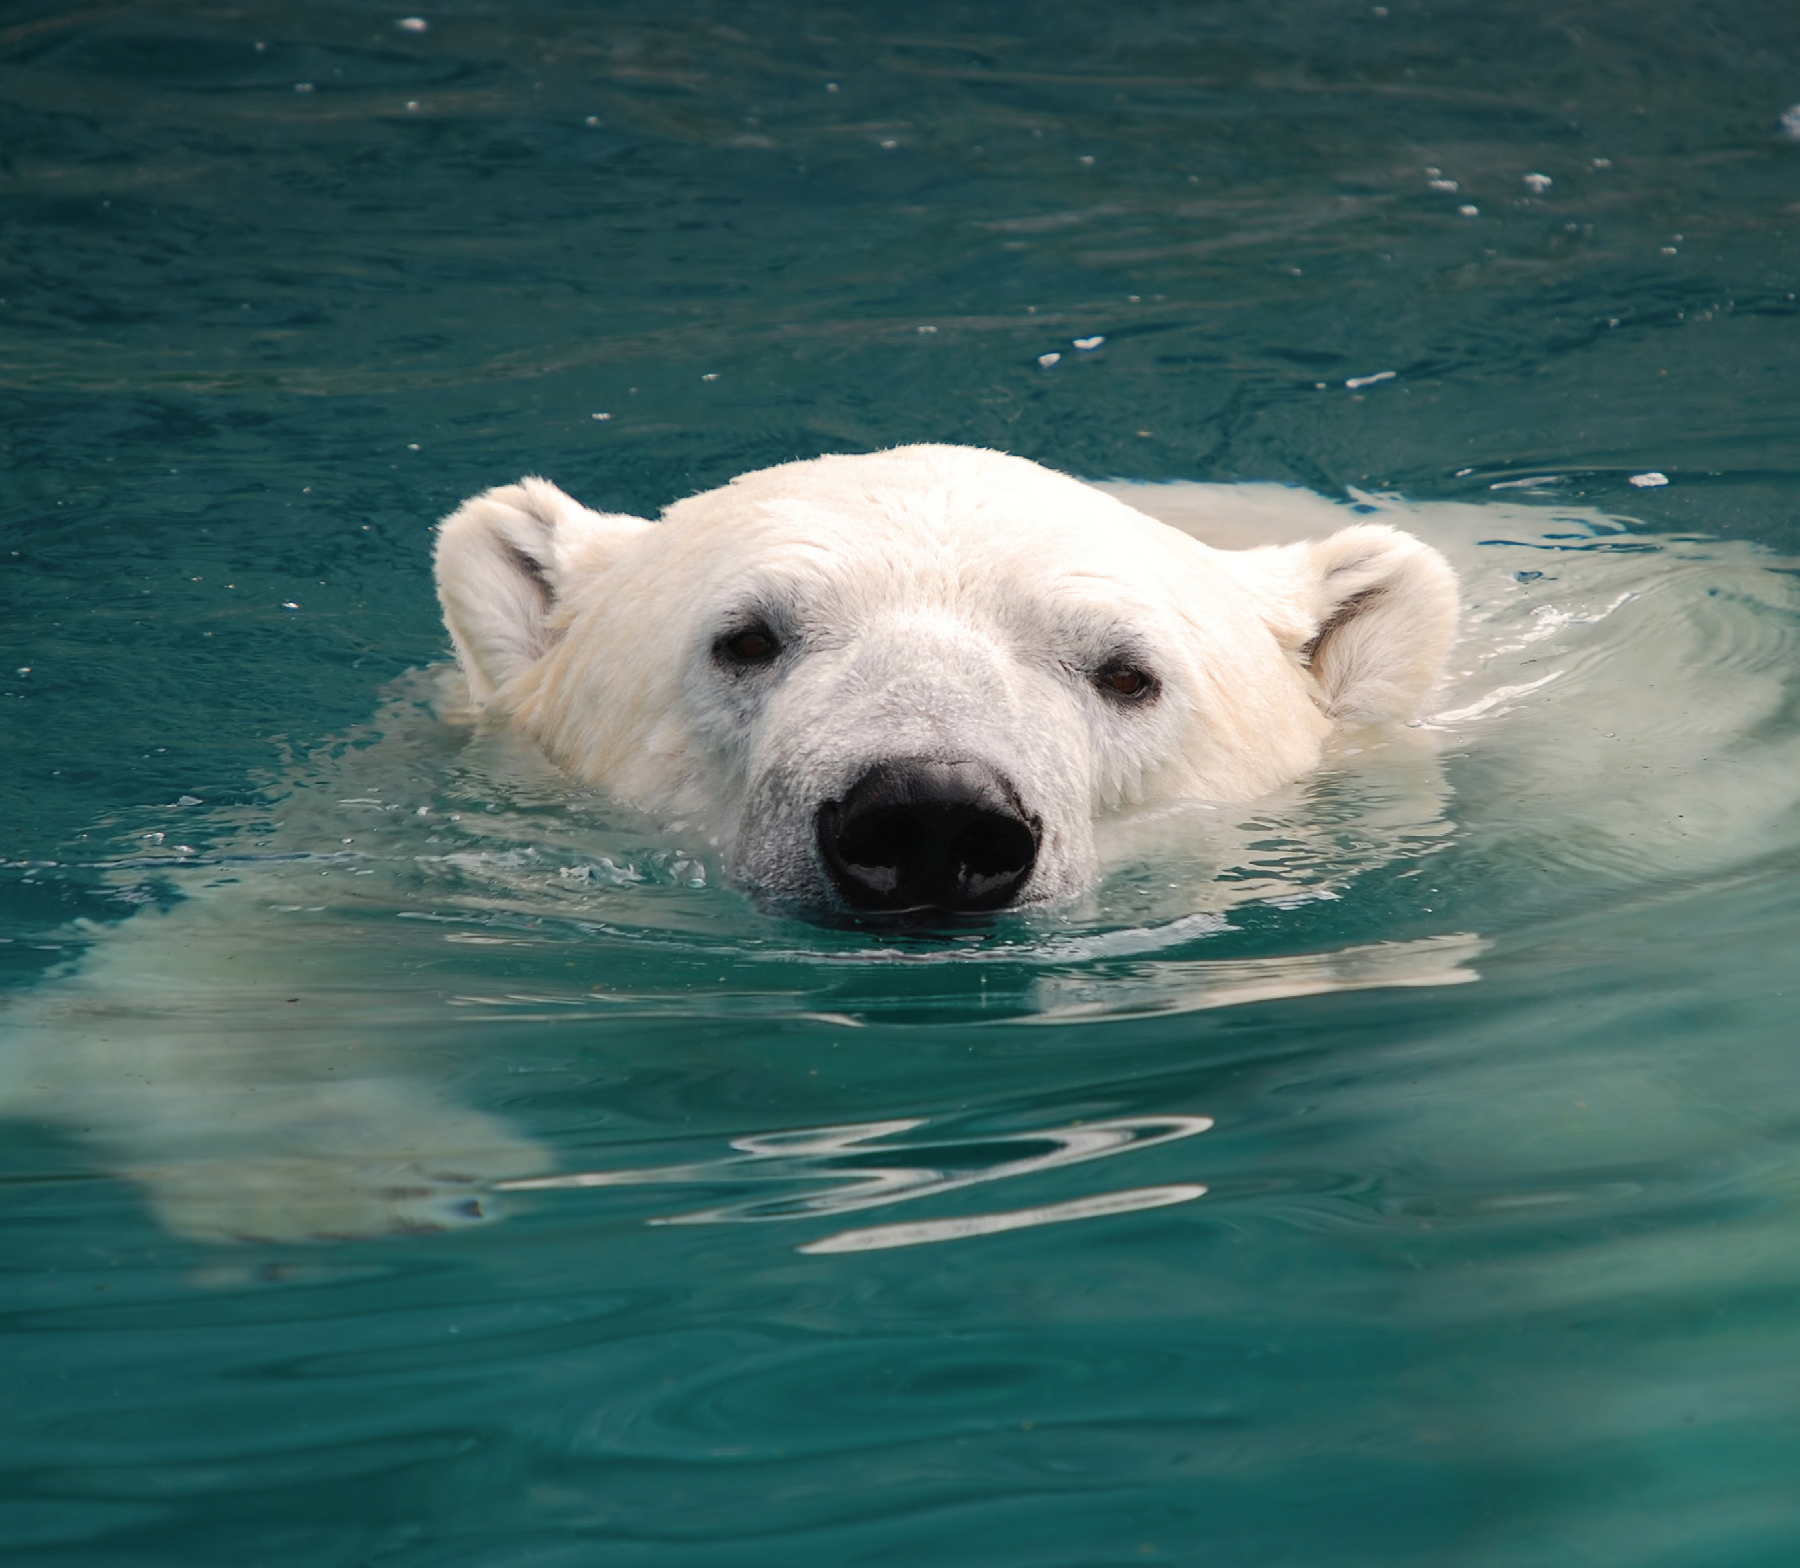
(504, 562)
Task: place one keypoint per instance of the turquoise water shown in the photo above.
(1402, 1173)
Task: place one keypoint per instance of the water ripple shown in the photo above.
(853, 1167)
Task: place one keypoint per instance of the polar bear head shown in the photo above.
(913, 679)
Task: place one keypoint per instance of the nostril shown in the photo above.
(991, 847)
(876, 844)
(921, 834)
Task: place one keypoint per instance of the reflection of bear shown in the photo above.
(913, 678)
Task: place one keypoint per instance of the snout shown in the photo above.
(919, 834)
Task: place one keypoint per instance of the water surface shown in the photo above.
(1400, 1172)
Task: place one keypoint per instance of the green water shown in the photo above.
(1494, 1098)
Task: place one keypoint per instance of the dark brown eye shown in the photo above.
(1123, 681)
(753, 645)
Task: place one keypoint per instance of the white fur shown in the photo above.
(932, 601)
(504, 561)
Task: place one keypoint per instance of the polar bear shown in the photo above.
(911, 680)
(291, 1037)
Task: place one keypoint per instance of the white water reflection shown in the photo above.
(878, 1238)
(838, 1165)
(1177, 986)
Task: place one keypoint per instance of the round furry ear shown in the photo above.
(505, 561)
(1376, 614)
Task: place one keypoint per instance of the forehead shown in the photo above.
(892, 533)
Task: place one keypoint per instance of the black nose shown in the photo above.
(914, 834)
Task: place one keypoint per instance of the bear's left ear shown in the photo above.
(505, 561)
(1371, 613)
